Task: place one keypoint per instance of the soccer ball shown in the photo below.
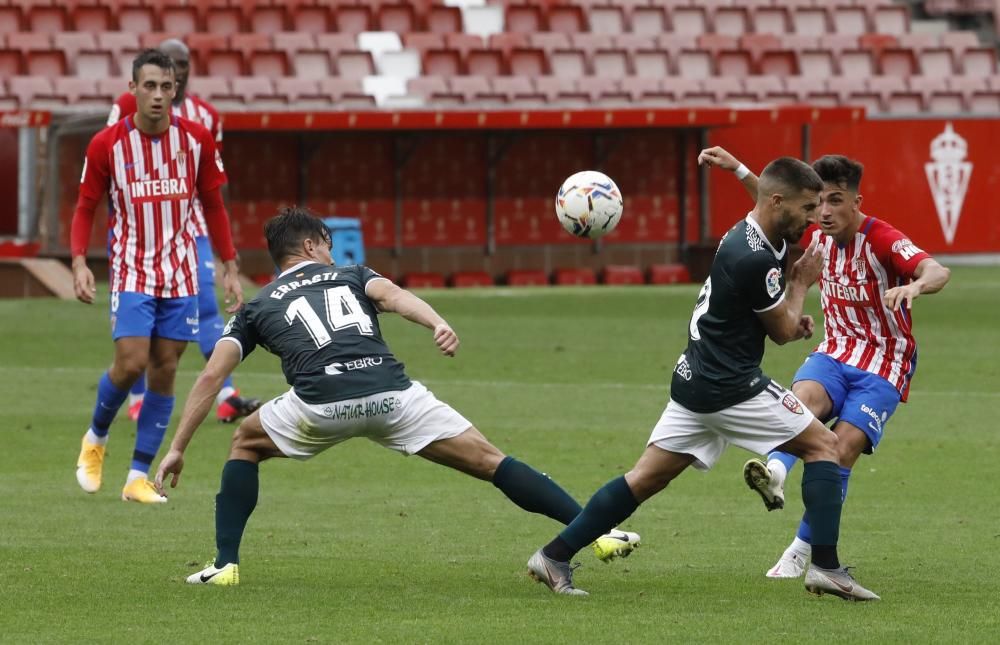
(589, 204)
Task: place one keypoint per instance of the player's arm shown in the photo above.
(225, 357)
(719, 156)
(211, 177)
(389, 297)
(930, 277)
(784, 321)
(93, 184)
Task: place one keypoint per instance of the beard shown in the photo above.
(790, 229)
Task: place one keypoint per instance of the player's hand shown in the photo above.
(896, 296)
(172, 464)
(446, 339)
(809, 267)
(806, 327)
(83, 283)
(718, 156)
(232, 287)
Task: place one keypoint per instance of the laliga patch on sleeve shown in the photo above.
(905, 248)
(218, 161)
(772, 282)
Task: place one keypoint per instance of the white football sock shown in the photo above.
(800, 546)
(224, 394)
(134, 474)
(133, 398)
(93, 438)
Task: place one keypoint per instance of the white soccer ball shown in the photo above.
(589, 204)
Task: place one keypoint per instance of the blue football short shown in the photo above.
(138, 314)
(863, 399)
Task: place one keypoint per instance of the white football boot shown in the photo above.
(838, 582)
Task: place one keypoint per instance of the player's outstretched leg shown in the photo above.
(758, 478)
(234, 504)
(90, 463)
(557, 576)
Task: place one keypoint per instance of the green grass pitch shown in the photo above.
(362, 545)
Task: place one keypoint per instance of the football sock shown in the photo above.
(610, 506)
(109, 399)
(138, 389)
(101, 440)
(227, 391)
(134, 474)
(150, 428)
(780, 464)
(233, 505)
(533, 491)
(804, 533)
(823, 499)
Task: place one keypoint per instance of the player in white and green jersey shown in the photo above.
(322, 322)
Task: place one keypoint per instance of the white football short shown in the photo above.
(405, 421)
(759, 425)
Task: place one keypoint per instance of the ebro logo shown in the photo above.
(358, 364)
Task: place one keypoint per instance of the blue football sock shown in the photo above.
(109, 400)
(785, 458)
(139, 387)
(152, 426)
(609, 507)
(804, 533)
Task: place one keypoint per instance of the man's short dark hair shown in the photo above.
(151, 57)
(788, 176)
(840, 171)
(286, 231)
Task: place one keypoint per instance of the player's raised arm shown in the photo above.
(390, 297)
(225, 357)
(930, 276)
(719, 156)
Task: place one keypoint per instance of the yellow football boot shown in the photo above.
(615, 544)
(142, 490)
(89, 466)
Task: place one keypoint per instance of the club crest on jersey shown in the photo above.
(792, 404)
(158, 190)
(772, 282)
(181, 157)
(860, 268)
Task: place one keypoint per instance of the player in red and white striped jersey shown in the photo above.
(150, 164)
(862, 369)
(229, 404)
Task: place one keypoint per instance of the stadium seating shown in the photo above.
(526, 278)
(509, 53)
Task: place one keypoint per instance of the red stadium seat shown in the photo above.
(898, 62)
(575, 276)
(736, 63)
(265, 17)
(524, 18)
(485, 62)
(93, 16)
(336, 43)
(812, 90)
(445, 20)
(221, 17)
(769, 89)
(427, 86)
(137, 17)
(693, 63)
(607, 19)
(622, 274)
(675, 43)
(891, 19)
(985, 102)
(470, 87)
(904, 103)
(528, 62)
(612, 63)
(11, 19)
(506, 42)
(526, 278)
(850, 21)
(82, 92)
(690, 20)
(567, 19)
(257, 91)
(518, 89)
(549, 41)
(11, 61)
(213, 89)
(442, 62)
(937, 61)
(28, 89)
(262, 58)
(180, 18)
(423, 41)
(343, 90)
(310, 16)
(423, 280)
(353, 19)
(355, 64)
(464, 279)
(810, 21)
(770, 20)
(732, 21)
(568, 63)
(464, 43)
(312, 63)
(980, 61)
(652, 63)
(303, 93)
(399, 17)
(122, 47)
(856, 63)
(46, 18)
(39, 56)
(650, 20)
(668, 274)
(945, 102)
